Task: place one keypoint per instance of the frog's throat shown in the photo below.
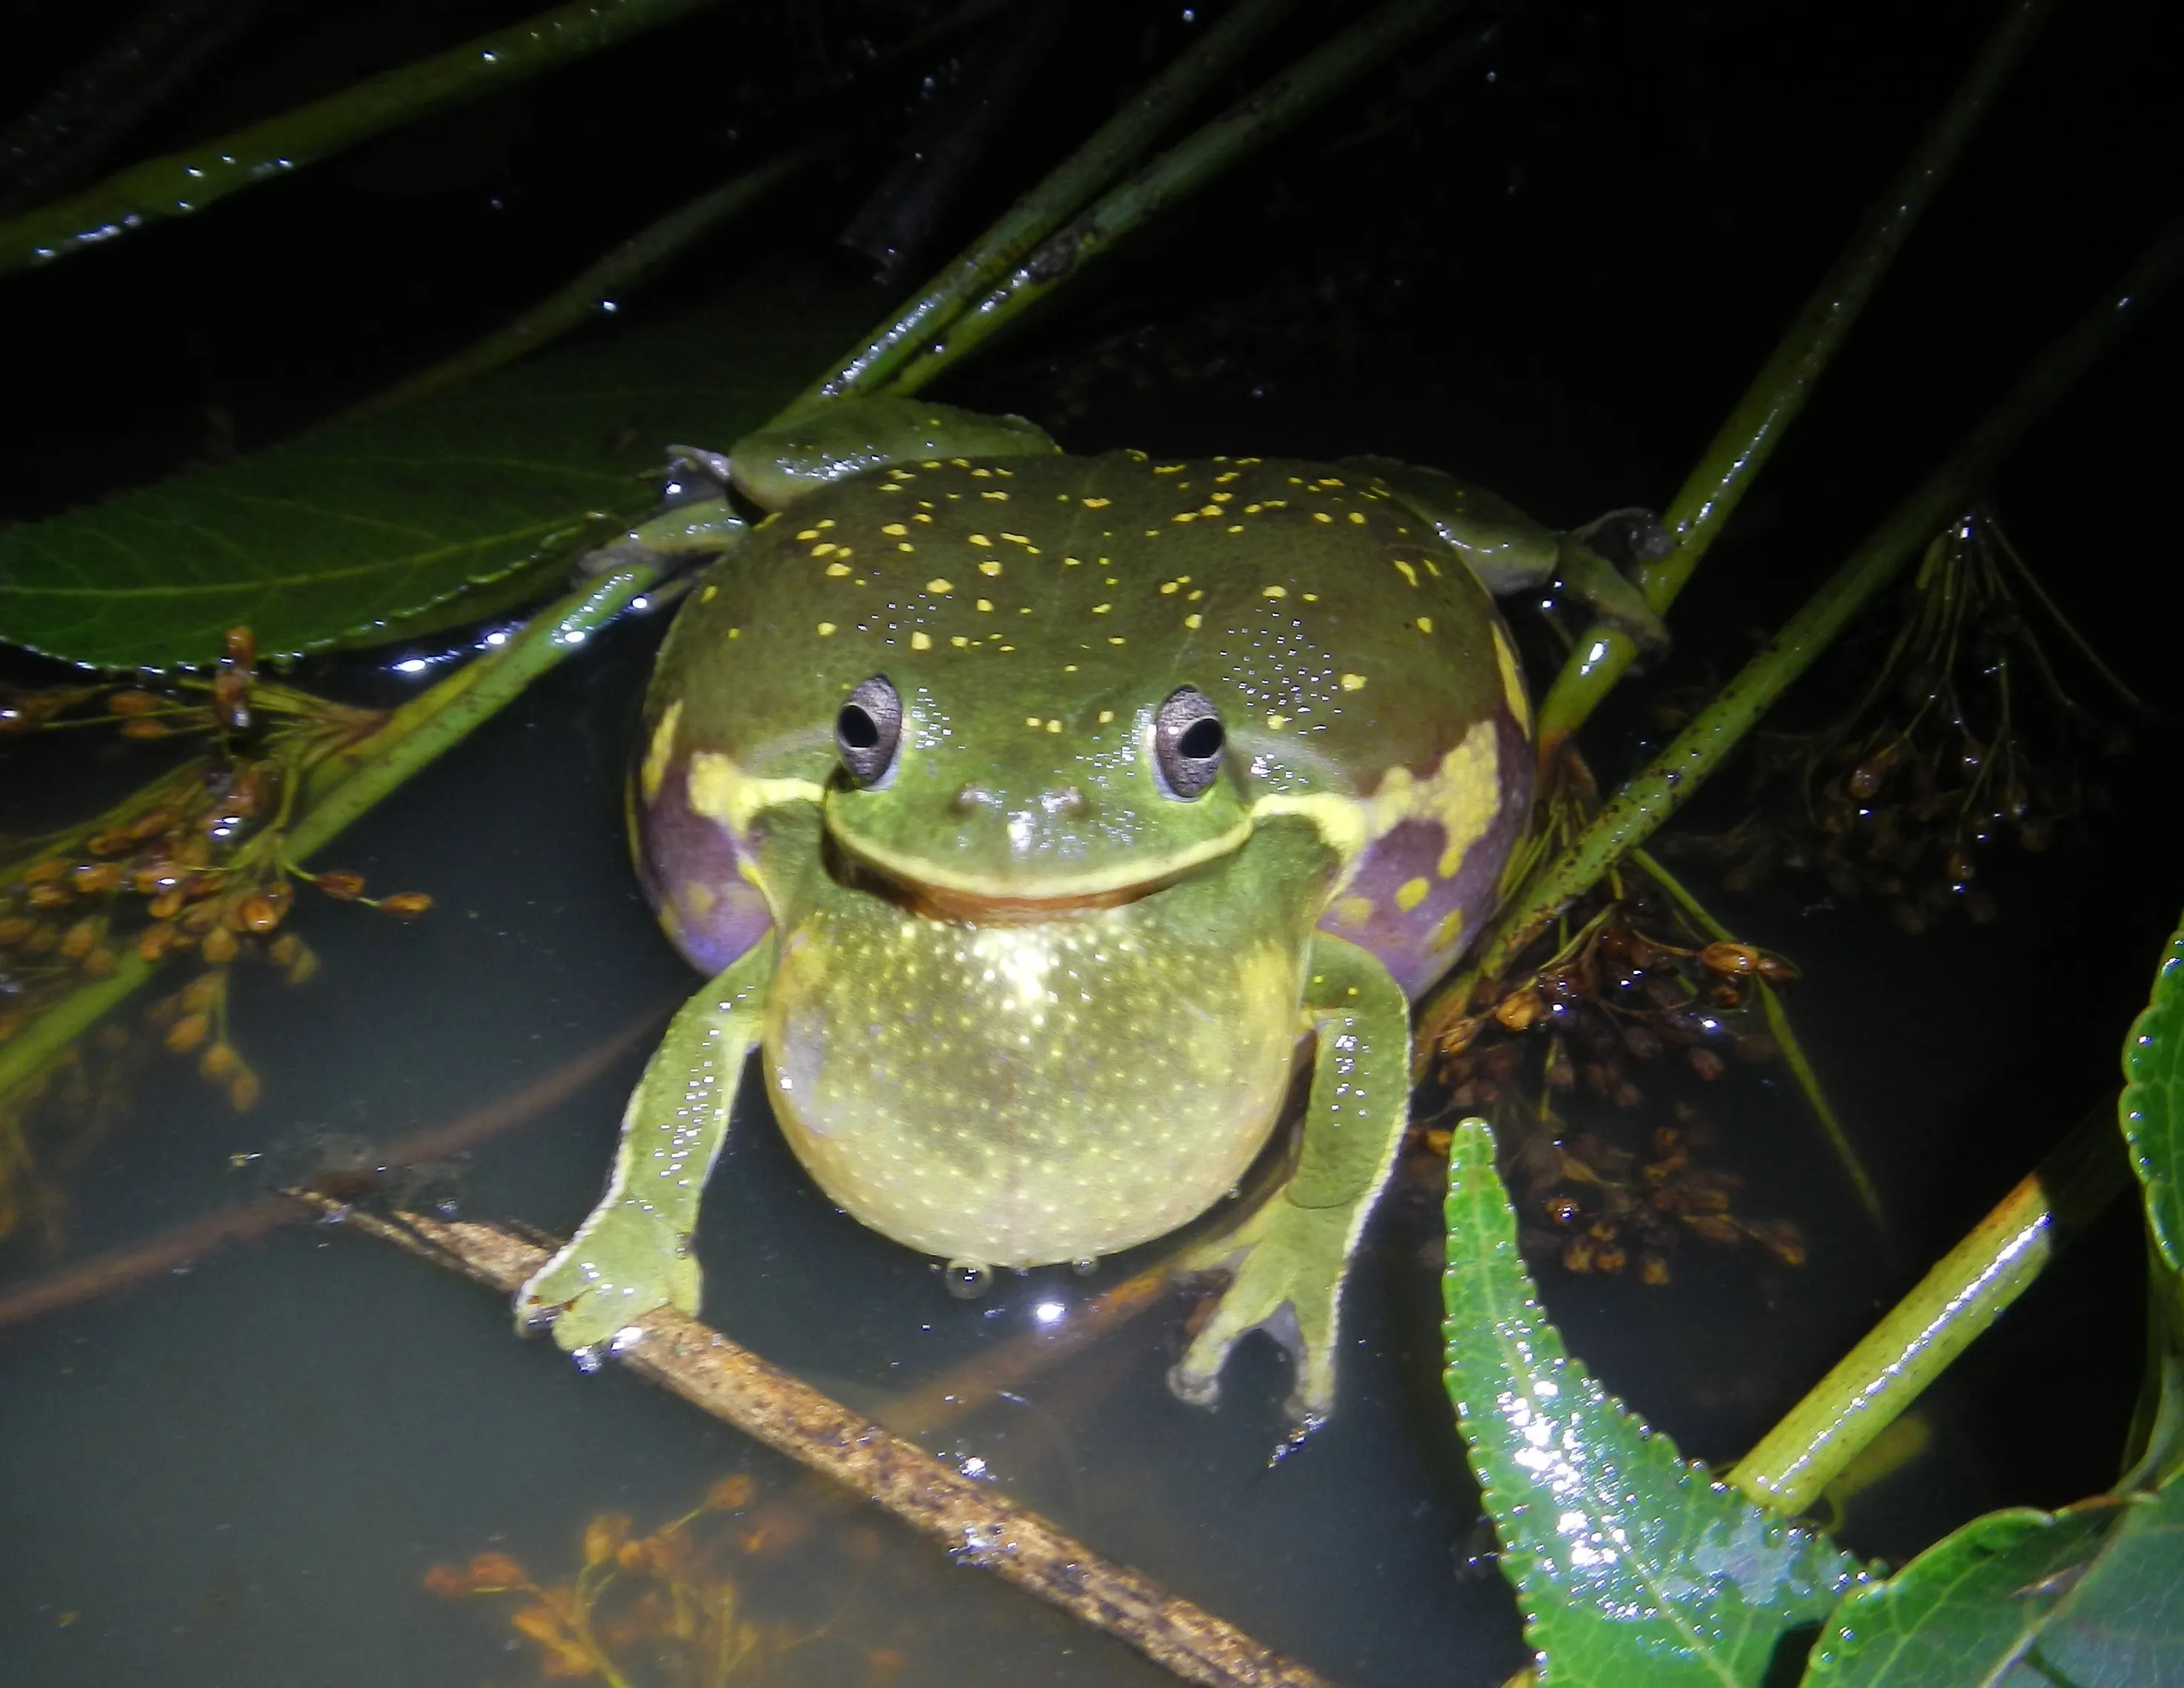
(952, 894)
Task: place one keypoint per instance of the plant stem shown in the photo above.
(350, 781)
(976, 1526)
(1118, 143)
(576, 302)
(1177, 173)
(1747, 438)
(1918, 1338)
(45, 1035)
(181, 184)
(1650, 797)
(1786, 1038)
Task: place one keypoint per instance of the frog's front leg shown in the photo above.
(1291, 1257)
(632, 1254)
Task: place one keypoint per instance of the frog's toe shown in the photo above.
(619, 1268)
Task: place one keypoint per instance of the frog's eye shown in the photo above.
(868, 728)
(1187, 741)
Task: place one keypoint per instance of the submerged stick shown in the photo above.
(242, 1221)
(975, 1525)
(1919, 1336)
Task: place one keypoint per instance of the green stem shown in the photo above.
(1652, 796)
(1752, 431)
(1177, 173)
(1118, 144)
(346, 785)
(1915, 1342)
(576, 303)
(181, 184)
(45, 1036)
(1785, 1039)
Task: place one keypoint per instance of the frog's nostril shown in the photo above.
(1068, 800)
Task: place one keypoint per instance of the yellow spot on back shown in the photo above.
(1277, 723)
(1353, 683)
(1106, 715)
(938, 586)
(1407, 572)
(980, 539)
(1410, 893)
(1357, 517)
(1101, 609)
(1321, 515)
(989, 567)
(1194, 621)
(921, 641)
(825, 550)
(1274, 592)
(986, 603)
(1097, 504)
(825, 628)
(958, 641)
(1054, 727)
(1425, 624)
(809, 533)
(995, 495)
(708, 594)
(838, 569)
(1448, 930)
(1352, 911)
(1031, 721)
(895, 530)
(1117, 640)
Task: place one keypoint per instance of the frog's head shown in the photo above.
(987, 806)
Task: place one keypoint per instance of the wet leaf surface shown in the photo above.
(2089, 1596)
(1634, 1567)
(2153, 1106)
(338, 535)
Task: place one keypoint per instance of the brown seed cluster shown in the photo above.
(1961, 739)
(663, 1607)
(192, 864)
(1633, 996)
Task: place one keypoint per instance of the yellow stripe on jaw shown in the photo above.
(724, 794)
(1462, 795)
(923, 873)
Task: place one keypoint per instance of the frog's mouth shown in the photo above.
(915, 887)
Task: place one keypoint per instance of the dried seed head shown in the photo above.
(405, 904)
(188, 1032)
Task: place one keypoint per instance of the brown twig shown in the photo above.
(976, 1526)
(244, 1221)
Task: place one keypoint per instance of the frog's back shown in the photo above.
(1363, 675)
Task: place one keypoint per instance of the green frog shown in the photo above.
(1033, 814)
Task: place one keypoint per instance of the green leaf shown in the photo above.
(2092, 1596)
(334, 536)
(2153, 1104)
(1635, 1568)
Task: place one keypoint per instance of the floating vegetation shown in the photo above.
(657, 1611)
(1631, 997)
(192, 865)
(1964, 736)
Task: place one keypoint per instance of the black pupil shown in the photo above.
(856, 728)
(1200, 740)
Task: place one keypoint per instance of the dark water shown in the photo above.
(240, 1473)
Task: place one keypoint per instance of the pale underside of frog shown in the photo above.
(1036, 815)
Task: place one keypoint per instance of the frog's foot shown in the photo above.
(1612, 595)
(624, 1262)
(1288, 1264)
